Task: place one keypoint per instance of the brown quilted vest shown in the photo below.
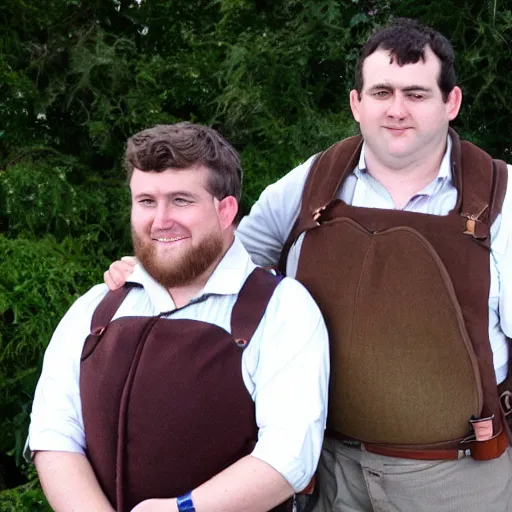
(405, 299)
(164, 404)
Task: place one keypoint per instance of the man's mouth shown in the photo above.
(173, 239)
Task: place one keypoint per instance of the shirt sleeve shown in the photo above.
(505, 263)
(265, 230)
(290, 383)
(56, 422)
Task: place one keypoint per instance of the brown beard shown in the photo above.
(184, 269)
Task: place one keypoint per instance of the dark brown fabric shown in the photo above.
(320, 188)
(163, 400)
(405, 298)
(250, 307)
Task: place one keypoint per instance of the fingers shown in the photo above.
(119, 271)
(132, 260)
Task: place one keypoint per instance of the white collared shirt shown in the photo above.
(285, 367)
(266, 229)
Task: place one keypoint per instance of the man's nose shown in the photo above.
(163, 217)
(398, 108)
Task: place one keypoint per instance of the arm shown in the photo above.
(69, 482)
(502, 240)
(240, 486)
(237, 488)
(265, 230)
(56, 433)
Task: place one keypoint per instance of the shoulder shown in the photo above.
(506, 208)
(291, 300)
(89, 300)
(507, 203)
(69, 336)
(501, 230)
(78, 317)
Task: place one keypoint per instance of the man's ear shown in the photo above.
(227, 210)
(453, 103)
(354, 104)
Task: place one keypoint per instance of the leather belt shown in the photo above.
(483, 450)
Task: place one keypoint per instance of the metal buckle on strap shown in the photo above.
(318, 213)
(474, 226)
(506, 402)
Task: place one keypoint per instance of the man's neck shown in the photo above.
(404, 180)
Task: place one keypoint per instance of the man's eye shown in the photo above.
(181, 201)
(146, 202)
(416, 97)
(381, 94)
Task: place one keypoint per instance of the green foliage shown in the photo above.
(55, 196)
(77, 77)
(26, 498)
(39, 279)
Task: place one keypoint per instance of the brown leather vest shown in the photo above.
(164, 404)
(405, 299)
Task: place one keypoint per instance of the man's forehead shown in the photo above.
(381, 67)
(195, 176)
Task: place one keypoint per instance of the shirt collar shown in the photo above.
(227, 278)
(445, 169)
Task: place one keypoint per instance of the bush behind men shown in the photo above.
(402, 237)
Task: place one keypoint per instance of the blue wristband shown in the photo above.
(185, 503)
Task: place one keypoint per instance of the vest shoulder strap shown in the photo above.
(328, 171)
(246, 314)
(499, 188)
(483, 182)
(325, 176)
(251, 304)
(108, 306)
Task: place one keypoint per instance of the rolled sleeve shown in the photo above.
(56, 419)
(505, 266)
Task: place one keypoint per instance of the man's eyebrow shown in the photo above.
(171, 195)
(421, 88)
(380, 86)
(182, 193)
(409, 88)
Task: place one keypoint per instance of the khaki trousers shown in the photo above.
(353, 480)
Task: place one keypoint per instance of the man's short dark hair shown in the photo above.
(406, 41)
(185, 145)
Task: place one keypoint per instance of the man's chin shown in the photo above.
(180, 266)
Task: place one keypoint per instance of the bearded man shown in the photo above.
(202, 383)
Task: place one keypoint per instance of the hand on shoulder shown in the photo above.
(119, 272)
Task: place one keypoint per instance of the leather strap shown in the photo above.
(499, 189)
(327, 173)
(245, 317)
(251, 304)
(108, 306)
(479, 450)
(483, 185)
